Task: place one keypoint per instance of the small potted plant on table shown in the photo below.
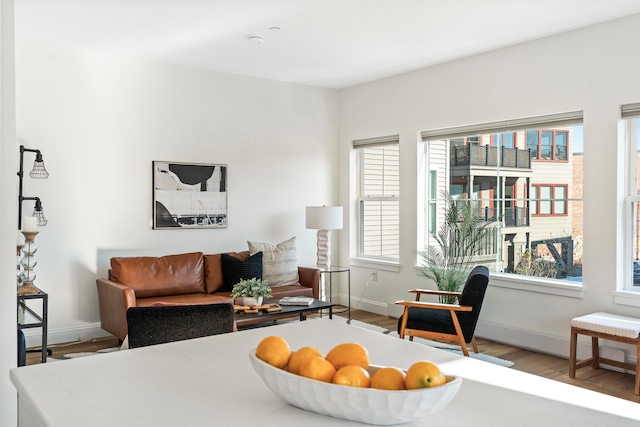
(251, 291)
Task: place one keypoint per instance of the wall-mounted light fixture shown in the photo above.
(38, 172)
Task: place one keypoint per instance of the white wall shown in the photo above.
(595, 70)
(100, 121)
(8, 194)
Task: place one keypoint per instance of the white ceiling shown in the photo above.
(327, 43)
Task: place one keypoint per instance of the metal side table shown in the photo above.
(336, 269)
(28, 318)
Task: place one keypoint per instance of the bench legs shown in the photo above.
(572, 353)
(595, 358)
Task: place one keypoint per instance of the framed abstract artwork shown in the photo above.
(189, 195)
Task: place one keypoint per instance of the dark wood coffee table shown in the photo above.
(243, 319)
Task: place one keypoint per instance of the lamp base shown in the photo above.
(324, 250)
(27, 289)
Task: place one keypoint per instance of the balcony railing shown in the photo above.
(513, 216)
(485, 155)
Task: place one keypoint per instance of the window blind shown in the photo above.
(547, 121)
(379, 205)
(630, 111)
(376, 142)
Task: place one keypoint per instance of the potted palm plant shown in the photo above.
(252, 291)
(449, 259)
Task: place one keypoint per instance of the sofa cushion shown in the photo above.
(235, 269)
(279, 262)
(213, 280)
(159, 276)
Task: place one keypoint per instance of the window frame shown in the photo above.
(629, 123)
(360, 146)
(552, 121)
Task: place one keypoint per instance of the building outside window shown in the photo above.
(525, 176)
(379, 198)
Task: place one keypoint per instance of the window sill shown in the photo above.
(539, 285)
(626, 297)
(375, 264)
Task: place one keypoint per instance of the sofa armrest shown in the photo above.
(114, 299)
(310, 277)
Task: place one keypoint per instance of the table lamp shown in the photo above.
(323, 219)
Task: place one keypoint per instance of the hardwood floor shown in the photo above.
(601, 380)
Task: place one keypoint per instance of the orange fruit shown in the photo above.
(424, 374)
(389, 378)
(317, 368)
(274, 350)
(348, 354)
(299, 356)
(353, 375)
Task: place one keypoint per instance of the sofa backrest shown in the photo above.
(160, 276)
(213, 279)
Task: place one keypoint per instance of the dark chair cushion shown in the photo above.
(162, 324)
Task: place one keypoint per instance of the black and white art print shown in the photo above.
(187, 195)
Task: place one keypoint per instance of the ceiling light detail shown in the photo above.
(256, 39)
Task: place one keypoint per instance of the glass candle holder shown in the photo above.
(28, 262)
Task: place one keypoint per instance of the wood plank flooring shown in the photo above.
(601, 380)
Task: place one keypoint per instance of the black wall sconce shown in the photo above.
(38, 172)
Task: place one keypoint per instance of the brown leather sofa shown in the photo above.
(190, 278)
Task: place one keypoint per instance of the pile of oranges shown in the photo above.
(346, 364)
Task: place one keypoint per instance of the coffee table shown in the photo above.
(243, 319)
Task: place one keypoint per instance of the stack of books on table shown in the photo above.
(296, 301)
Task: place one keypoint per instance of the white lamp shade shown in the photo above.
(324, 217)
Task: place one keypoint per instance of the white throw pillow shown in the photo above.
(279, 262)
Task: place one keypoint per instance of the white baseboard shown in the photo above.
(90, 331)
(362, 304)
(554, 346)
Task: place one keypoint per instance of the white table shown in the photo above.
(210, 381)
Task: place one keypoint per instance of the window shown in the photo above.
(469, 140)
(379, 203)
(507, 140)
(631, 126)
(548, 199)
(547, 144)
(534, 208)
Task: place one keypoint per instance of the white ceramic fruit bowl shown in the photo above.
(365, 405)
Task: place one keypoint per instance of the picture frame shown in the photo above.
(189, 195)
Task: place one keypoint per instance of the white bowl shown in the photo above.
(365, 405)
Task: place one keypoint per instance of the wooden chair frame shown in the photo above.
(452, 308)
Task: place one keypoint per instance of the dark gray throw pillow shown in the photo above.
(234, 269)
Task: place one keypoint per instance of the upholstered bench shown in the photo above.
(607, 326)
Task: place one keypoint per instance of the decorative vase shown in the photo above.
(250, 301)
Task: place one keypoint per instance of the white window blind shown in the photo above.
(630, 110)
(379, 199)
(537, 122)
